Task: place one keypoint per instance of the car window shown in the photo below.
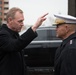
(46, 34)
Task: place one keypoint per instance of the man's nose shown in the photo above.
(22, 24)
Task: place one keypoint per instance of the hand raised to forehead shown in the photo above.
(39, 21)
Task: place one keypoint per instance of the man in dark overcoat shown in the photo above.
(11, 44)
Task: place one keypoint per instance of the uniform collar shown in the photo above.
(65, 41)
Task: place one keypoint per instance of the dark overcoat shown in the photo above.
(11, 46)
(65, 58)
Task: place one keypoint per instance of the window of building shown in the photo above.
(0, 8)
(0, 2)
(0, 19)
(0, 13)
(6, 8)
(5, 19)
(5, 13)
(5, 2)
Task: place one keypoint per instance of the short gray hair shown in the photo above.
(12, 11)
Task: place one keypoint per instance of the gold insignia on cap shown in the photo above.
(59, 21)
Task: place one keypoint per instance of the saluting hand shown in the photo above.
(39, 22)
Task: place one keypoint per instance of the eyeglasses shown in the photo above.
(58, 25)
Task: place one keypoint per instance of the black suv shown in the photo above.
(39, 54)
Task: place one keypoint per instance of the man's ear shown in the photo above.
(9, 19)
(67, 28)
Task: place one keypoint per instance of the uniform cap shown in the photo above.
(64, 19)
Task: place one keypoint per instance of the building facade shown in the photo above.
(4, 6)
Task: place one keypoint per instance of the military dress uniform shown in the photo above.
(65, 58)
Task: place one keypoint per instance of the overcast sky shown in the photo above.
(35, 8)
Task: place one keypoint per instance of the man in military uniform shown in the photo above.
(65, 57)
